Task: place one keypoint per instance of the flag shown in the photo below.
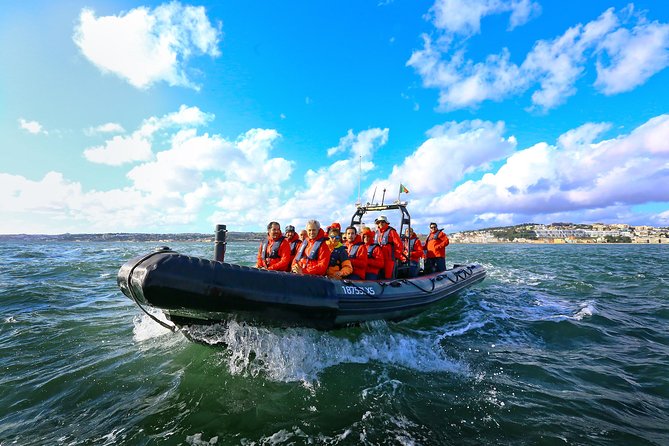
(403, 189)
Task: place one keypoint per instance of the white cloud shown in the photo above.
(120, 150)
(138, 145)
(662, 218)
(327, 191)
(634, 56)
(33, 127)
(109, 127)
(625, 57)
(451, 151)
(361, 145)
(145, 46)
(464, 16)
(465, 174)
(576, 177)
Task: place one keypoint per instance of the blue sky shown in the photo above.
(124, 116)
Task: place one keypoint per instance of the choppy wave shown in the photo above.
(569, 340)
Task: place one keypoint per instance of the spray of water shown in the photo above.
(300, 354)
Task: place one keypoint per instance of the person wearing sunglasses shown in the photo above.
(340, 265)
(435, 250)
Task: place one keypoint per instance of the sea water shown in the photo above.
(558, 345)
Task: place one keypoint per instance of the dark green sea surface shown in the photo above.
(559, 345)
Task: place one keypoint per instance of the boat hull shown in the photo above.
(195, 291)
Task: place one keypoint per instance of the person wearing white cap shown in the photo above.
(391, 244)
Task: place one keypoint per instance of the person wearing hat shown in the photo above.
(293, 240)
(340, 265)
(274, 251)
(435, 250)
(391, 244)
(374, 254)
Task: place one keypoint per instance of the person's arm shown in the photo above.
(345, 269)
(418, 250)
(260, 262)
(442, 242)
(376, 260)
(397, 245)
(284, 257)
(360, 259)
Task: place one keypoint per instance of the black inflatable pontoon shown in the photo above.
(192, 291)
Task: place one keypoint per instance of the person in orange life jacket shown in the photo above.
(274, 252)
(332, 225)
(340, 265)
(374, 255)
(303, 235)
(390, 242)
(293, 240)
(313, 256)
(357, 253)
(435, 250)
(414, 250)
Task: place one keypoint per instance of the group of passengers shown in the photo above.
(351, 255)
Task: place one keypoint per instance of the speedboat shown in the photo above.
(198, 291)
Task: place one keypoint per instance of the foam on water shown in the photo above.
(301, 354)
(146, 328)
(515, 276)
(196, 440)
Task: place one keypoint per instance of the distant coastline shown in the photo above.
(133, 237)
(528, 233)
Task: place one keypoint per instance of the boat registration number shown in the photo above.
(358, 289)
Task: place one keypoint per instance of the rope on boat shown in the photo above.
(172, 328)
(466, 272)
(420, 287)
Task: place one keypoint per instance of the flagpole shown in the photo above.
(359, 179)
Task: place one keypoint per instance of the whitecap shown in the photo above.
(587, 309)
(196, 440)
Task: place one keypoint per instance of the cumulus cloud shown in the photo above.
(634, 56)
(327, 192)
(137, 146)
(145, 46)
(464, 174)
(575, 177)
(451, 151)
(33, 127)
(464, 16)
(187, 173)
(626, 48)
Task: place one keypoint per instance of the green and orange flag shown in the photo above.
(403, 189)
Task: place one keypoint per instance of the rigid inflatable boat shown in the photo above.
(195, 291)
